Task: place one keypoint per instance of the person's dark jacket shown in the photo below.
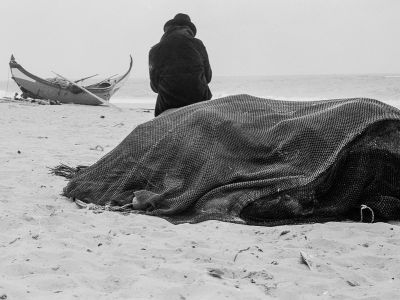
(179, 70)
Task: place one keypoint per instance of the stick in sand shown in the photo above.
(90, 93)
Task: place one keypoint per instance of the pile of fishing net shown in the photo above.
(256, 161)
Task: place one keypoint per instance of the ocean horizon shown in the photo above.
(383, 87)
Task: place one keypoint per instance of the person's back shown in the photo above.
(179, 66)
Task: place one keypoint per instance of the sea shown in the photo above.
(383, 87)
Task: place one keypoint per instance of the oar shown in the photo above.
(84, 78)
(89, 92)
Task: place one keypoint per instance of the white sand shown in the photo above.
(50, 249)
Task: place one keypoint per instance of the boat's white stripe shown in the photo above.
(18, 74)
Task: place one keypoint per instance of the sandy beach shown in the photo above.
(51, 249)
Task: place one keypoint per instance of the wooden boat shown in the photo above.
(63, 90)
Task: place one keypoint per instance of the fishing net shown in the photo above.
(252, 160)
(65, 84)
(62, 83)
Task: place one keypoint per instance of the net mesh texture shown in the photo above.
(255, 161)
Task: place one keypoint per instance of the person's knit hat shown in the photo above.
(181, 20)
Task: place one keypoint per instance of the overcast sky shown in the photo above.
(243, 37)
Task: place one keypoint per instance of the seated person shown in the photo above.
(179, 67)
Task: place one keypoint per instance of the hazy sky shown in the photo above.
(243, 37)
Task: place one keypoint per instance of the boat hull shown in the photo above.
(38, 88)
(42, 91)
